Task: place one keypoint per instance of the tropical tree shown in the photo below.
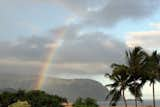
(152, 67)
(120, 78)
(135, 60)
(90, 102)
(85, 102)
(79, 101)
(35, 98)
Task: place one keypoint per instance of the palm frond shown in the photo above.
(115, 95)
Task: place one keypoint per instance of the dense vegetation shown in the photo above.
(88, 102)
(140, 67)
(20, 104)
(35, 98)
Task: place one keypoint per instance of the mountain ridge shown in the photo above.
(69, 88)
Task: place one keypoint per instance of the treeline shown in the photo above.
(140, 67)
(35, 98)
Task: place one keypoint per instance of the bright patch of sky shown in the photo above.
(122, 28)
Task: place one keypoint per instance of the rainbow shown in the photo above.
(45, 66)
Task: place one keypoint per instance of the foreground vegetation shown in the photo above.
(140, 67)
(20, 104)
(34, 98)
(88, 102)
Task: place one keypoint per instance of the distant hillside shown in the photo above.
(76, 88)
(70, 88)
(8, 90)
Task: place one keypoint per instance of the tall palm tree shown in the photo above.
(152, 67)
(135, 60)
(120, 77)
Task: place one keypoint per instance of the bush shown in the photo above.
(88, 102)
(20, 104)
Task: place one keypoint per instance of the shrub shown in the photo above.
(88, 102)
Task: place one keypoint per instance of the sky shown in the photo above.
(87, 35)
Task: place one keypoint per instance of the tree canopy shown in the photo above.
(35, 98)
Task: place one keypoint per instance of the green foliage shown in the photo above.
(20, 104)
(153, 67)
(140, 67)
(79, 101)
(153, 71)
(88, 102)
(35, 98)
(120, 78)
(136, 62)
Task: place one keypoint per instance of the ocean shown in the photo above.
(144, 103)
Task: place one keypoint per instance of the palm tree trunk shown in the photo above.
(135, 101)
(124, 99)
(153, 95)
(135, 93)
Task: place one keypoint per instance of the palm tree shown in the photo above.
(120, 77)
(136, 63)
(152, 67)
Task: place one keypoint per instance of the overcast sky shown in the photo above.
(95, 34)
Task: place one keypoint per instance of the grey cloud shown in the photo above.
(92, 53)
(32, 48)
(110, 12)
(85, 48)
(79, 7)
(116, 11)
(88, 48)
